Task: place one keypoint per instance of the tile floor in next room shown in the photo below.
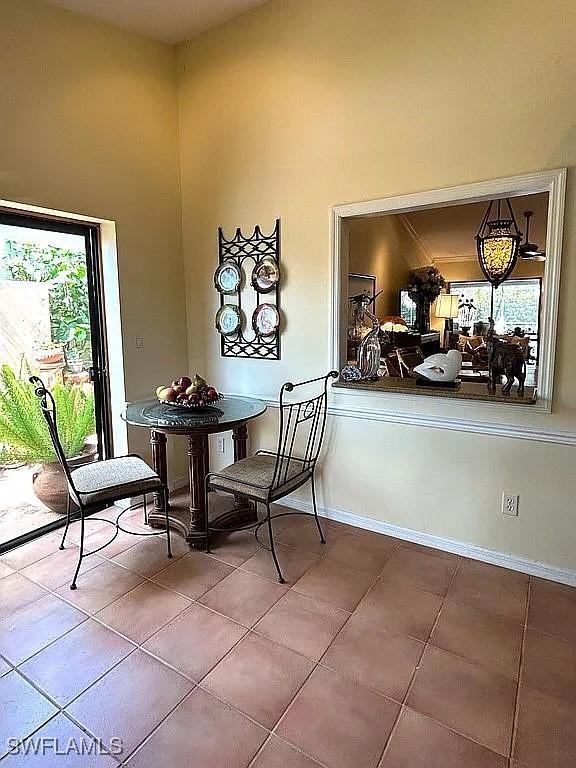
(376, 652)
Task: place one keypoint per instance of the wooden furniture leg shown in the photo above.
(198, 463)
(158, 443)
(240, 440)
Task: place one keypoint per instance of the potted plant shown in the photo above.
(24, 436)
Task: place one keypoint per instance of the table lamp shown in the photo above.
(447, 307)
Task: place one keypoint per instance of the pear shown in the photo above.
(192, 389)
(199, 381)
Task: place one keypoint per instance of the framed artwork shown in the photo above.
(358, 284)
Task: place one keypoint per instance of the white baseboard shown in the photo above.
(505, 560)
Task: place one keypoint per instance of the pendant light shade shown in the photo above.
(497, 244)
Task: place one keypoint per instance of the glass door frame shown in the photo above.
(99, 374)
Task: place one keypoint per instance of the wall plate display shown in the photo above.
(265, 320)
(228, 319)
(248, 281)
(265, 275)
(228, 277)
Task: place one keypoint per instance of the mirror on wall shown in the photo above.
(455, 287)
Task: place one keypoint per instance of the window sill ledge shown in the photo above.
(466, 391)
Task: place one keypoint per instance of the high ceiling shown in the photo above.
(448, 233)
(170, 21)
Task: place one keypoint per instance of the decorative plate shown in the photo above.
(227, 277)
(265, 319)
(228, 319)
(265, 275)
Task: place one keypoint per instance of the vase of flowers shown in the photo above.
(426, 284)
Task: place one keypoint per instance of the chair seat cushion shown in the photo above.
(112, 479)
(244, 475)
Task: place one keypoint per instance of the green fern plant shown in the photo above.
(24, 436)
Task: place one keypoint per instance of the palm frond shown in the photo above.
(24, 435)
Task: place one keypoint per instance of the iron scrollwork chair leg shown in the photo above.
(206, 516)
(322, 539)
(68, 509)
(165, 497)
(81, 549)
(272, 548)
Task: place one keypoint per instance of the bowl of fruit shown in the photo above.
(188, 393)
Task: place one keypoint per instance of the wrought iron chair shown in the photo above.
(267, 477)
(408, 359)
(93, 487)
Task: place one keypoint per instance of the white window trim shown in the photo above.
(553, 182)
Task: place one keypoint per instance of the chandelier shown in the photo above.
(497, 243)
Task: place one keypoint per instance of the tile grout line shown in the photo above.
(60, 710)
(426, 645)
(250, 629)
(520, 670)
(318, 664)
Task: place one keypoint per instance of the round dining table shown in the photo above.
(162, 419)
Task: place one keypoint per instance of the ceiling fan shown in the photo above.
(530, 251)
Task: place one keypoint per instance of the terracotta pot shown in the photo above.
(50, 484)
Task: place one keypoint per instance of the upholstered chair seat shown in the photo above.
(254, 476)
(103, 481)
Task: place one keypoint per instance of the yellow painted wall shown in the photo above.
(89, 125)
(298, 106)
(382, 247)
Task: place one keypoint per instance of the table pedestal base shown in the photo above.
(187, 519)
(181, 521)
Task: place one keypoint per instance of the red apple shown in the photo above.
(184, 382)
(211, 394)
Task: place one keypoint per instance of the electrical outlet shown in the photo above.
(139, 342)
(221, 445)
(510, 504)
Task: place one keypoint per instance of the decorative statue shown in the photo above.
(369, 351)
(504, 359)
(441, 367)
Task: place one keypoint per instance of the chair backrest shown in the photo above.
(301, 430)
(409, 358)
(48, 407)
(392, 365)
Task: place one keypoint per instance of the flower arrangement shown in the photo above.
(425, 283)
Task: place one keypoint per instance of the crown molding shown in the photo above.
(415, 238)
(450, 258)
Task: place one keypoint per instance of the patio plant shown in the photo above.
(24, 436)
(64, 272)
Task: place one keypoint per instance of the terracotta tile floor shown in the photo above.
(377, 653)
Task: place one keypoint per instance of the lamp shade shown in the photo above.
(447, 305)
(497, 245)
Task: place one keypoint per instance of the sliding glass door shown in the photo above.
(51, 325)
